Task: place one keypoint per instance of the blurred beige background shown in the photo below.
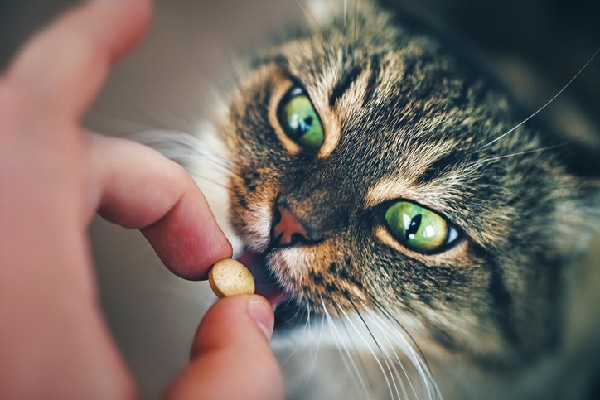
(164, 84)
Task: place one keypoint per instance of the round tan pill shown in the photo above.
(229, 277)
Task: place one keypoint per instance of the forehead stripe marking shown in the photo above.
(375, 69)
(348, 78)
(437, 168)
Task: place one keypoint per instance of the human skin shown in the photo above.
(55, 175)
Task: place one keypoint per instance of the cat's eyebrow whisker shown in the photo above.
(520, 153)
(344, 352)
(375, 356)
(547, 103)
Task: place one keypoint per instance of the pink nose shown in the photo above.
(288, 230)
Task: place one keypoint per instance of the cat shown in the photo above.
(415, 228)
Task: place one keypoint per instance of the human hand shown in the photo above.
(54, 176)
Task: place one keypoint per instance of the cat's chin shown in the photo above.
(266, 284)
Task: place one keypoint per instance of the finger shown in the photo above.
(139, 188)
(231, 357)
(76, 52)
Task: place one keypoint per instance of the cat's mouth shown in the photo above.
(266, 284)
(288, 312)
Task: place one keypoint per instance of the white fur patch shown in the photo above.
(259, 227)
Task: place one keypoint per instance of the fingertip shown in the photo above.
(137, 187)
(134, 21)
(231, 356)
(228, 317)
(260, 310)
(188, 239)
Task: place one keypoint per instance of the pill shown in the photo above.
(229, 277)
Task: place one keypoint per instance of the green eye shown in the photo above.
(418, 228)
(300, 120)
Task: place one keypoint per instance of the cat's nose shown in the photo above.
(288, 230)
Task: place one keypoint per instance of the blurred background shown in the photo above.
(535, 45)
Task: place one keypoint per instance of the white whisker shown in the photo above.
(548, 102)
(315, 351)
(396, 357)
(344, 351)
(375, 357)
(345, 14)
(296, 347)
(520, 153)
(297, 343)
(432, 391)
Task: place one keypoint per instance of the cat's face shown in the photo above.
(370, 174)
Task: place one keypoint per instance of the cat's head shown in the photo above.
(375, 171)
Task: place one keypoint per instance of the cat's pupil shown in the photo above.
(413, 226)
(301, 126)
(306, 124)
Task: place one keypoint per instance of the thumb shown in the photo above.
(231, 357)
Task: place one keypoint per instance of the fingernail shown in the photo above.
(262, 313)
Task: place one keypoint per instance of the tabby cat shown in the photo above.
(414, 228)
